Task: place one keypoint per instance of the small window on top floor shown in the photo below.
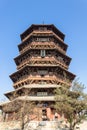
(43, 53)
(42, 28)
(42, 39)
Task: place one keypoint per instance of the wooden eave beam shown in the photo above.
(52, 35)
(29, 30)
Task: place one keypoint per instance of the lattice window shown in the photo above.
(42, 73)
(42, 28)
(42, 94)
(43, 53)
(42, 39)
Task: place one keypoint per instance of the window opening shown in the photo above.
(43, 53)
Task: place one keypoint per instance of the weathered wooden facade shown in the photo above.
(42, 66)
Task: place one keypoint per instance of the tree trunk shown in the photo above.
(71, 126)
(22, 122)
(22, 125)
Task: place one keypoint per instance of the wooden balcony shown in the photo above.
(26, 89)
(33, 79)
(45, 33)
(37, 98)
(35, 32)
(39, 45)
(47, 61)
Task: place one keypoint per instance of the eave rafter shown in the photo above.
(25, 57)
(39, 45)
(41, 80)
(26, 71)
(47, 61)
(27, 90)
(42, 28)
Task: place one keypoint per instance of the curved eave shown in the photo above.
(29, 87)
(18, 71)
(11, 106)
(62, 34)
(3, 103)
(54, 28)
(11, 76)
(20, 55)
(15, 59)
(26, 31)
(41, 66)
(62, 42)
(15, 104)
(36, 98)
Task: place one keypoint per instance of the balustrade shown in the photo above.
(45, 45)
(55, 78)
(46, 61)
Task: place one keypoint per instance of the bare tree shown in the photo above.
(22, 107)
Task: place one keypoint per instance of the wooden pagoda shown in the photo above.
(42, 66)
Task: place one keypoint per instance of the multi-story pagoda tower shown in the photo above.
(42, 66)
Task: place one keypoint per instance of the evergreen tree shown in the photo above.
(71, 102)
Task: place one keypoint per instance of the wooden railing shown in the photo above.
(34, 44)
(38, 61)
(23, 81)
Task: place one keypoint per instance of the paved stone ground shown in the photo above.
(33, 125)
(9, 125)
(83, 126)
